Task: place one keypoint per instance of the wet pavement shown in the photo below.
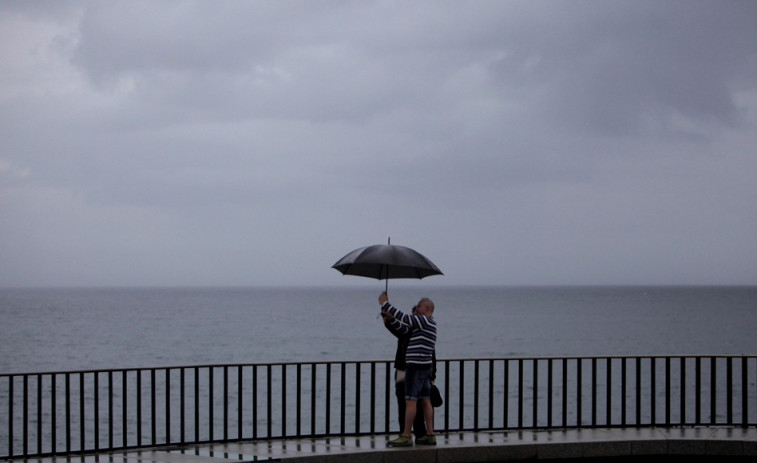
(600, 444)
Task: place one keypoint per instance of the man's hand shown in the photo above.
(383, 298)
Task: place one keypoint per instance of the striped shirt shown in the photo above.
(422, 329)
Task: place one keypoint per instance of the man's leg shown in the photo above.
(400, 392)
(427, 411)
(411, 393)
(419, 424)
(410, 411)
(428, 414)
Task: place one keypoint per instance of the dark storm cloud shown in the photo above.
(203, 143)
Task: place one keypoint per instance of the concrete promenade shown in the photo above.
(616, 444)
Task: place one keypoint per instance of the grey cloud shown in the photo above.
(600, 67)
(190, 143)
(615, 66)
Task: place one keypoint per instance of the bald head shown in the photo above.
(425, 307)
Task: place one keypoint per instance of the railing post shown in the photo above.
(520, 393)
(579, 391)
(11, 397)
(461, 404)
(564, 392)
(623, 388)
(182, 405)
(389, 383)
(667, 391)
(68, 412)
(211, 398)
(226, 402)
(682, 377)
(608, 392)
(447, 386)
(269, 402)
(197, 404)
(25, 413)
(475, 393)
(254, 402)
(638, 391)
(139, 407)
(698, 391)
(594, 391)
(283, 400)
(110, 408)
(240, 401)
(549, 392)
(153, 407)
(535, 386)
(653, 391)
(298, 413)
(713, 390)
(357, 397)
(373, 398)
(313, 370)
(82, 418)
(328, 398)
(744, 392)
(729, 390)
(506, 398)
(343, 397)
(491, 393)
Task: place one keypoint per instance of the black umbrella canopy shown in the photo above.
(385, 261)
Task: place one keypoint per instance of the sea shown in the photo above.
(67, 329)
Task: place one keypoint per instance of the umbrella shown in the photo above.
(385, 261)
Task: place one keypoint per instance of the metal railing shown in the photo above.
(83, 411)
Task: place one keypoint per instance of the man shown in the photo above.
(403, 337)
(419, 359)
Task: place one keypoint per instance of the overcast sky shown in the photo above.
(205, 143)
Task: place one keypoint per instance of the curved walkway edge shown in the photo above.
(465, 447)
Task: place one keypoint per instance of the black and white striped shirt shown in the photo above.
(420, 348)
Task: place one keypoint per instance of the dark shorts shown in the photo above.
(417, 382)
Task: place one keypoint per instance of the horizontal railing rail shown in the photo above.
(84, 411)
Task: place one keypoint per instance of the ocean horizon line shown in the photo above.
(379, 287)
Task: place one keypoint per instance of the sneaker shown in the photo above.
(428, 439)
(402, 441)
